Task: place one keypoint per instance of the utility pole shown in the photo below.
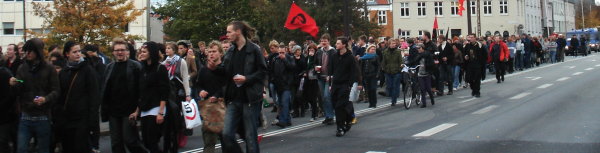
(469, 28)
(346, 19)
(479, 18)
(367, 14)
(24, 23)
(148, 17)
(582, 17)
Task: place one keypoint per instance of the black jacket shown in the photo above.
(154, 86)
(447, 52)
(283, 72)
(13, 66)
(79, 101)
(255, 71)
(8, 108)
(344, 69)
(38, 80)
(574, 43)
(133, 73)
(477, 55)
(370, 67)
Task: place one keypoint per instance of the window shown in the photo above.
(504, 7)
(9, 28)
(454, 8)
(421, 9)
(421, 33)
(438, 8)
(487, 7)
(19, 32)
(404, 10)
(405, 34)
(441, 32)
(382, 17)
(473, 7)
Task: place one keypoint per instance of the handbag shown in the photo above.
(191, 114)
(354, 92)
(213, 115)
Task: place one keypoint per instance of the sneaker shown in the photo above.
(281, 125)
(313, 119)
(274, 122)
(354, 120)
(95, 151)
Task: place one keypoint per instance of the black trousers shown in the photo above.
(74, 139)
(500, 70)
(124, 132)
(371, 87)
(344, 109)
(310, 94)
(151, 133)
(8, 134)
(445, 76)
(474, 80)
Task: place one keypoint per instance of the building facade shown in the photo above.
(380, 12)
(496, 17)
(11, 18)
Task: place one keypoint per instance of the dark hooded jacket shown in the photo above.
(39, 80)
(79, 101)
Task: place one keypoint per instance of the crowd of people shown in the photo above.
(58, 101)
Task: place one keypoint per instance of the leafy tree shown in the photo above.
(86, 21)
(207, 19)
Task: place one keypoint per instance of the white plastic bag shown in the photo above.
(354, 92)
(191, 114)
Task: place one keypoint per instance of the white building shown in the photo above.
(11, 18)
(502, 17)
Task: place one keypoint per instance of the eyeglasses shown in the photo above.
(120, 50)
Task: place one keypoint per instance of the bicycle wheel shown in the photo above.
(408, 97)
(418, 98)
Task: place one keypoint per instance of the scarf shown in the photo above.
(171, 64)
(368, 56)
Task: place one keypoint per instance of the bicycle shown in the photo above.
(411, 87)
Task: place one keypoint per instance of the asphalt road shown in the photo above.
(551, 108)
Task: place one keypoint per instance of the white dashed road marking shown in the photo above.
(464, 101)
(589, 69)
(563, 79)
(544, 86)
(577, 73)
(435, 130)
(485, 110)
(519, 96)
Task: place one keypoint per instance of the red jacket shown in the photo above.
(504, 53)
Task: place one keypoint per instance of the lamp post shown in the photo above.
(24, 23)
(469, 28)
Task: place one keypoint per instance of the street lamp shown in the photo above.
(24, 23)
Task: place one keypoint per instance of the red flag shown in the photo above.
(461, 7)
(435, 24)
(297, 18)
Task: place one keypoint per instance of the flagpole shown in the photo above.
(469, 28)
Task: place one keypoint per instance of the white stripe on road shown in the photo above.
(589, 69)
(544, 86)
(577, 73)
(598, 65)
(571, 67)
(464, 101)
(485, 110)
(536, 78)
(563, 79)
(435, 130)
(519, 96)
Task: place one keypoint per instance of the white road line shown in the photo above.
(598, 65)
(435, 130)
(563, 79)
(544, 86)
(519, 96)
(463, 97)
(577, 73)
(536, 78)
(572, 67)
(485, 110)
(464, 101)
(589, 69)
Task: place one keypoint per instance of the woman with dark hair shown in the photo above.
(154, 86)
(75, 114)
(311, 87)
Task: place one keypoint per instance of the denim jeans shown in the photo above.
(40, 129)
(241, 115)
(456, 73)
(425, 84)
(326, 99)
(519, 60)
(393, 85)
(273, 93)
(284, 102)
(552, 56)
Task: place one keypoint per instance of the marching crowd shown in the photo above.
(60, 100)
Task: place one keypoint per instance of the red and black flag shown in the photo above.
(297, 18)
